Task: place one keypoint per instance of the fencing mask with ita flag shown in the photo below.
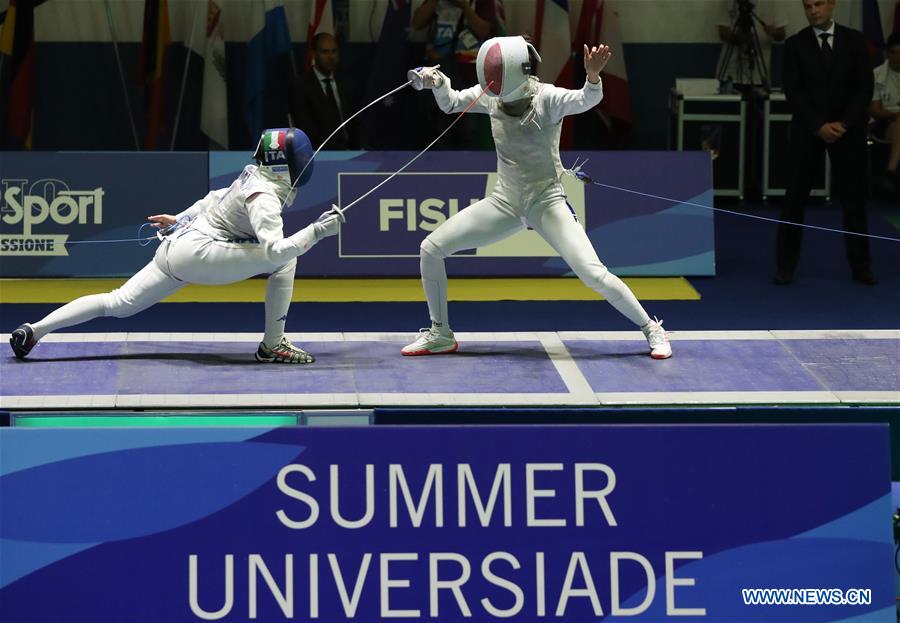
(283, 152)
(505, 61)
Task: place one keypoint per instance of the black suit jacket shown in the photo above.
(314, 113)
(818, 92)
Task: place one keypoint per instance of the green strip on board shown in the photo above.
(76, 421)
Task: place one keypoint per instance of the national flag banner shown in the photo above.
(553, 41)
(321, 19)
(388, 68)
(616, 102)
(156, 39)
(270, 38)
(214, 106)
(17, 63)
(873, 32)
(500, 13)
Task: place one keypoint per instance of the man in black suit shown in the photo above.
(320, 102)
(828, 85)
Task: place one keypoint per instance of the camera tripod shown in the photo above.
(744, 41)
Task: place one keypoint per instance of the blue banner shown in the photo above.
(563, 523)
(59, 210)
(639, 197)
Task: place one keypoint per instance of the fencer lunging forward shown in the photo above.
(526, 119)
(230, 235)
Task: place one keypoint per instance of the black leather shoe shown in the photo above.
(865, 276)
(783, 277)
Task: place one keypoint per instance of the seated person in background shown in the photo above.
(885, 109)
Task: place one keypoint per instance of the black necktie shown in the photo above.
(329, 92)
(826, 48)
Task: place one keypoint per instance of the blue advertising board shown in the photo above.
(640, 220)
(58, 210)
(563, 523)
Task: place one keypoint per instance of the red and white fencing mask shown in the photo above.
(505, 61)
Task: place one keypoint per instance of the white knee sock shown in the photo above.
(434, 281)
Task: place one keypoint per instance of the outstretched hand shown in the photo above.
(425, 77)
(329, 222)
(161, 221)
(595, 60)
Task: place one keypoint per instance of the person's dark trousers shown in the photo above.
(849, 189)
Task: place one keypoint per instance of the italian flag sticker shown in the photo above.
(274, 140)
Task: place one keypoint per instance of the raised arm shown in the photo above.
(564, 102)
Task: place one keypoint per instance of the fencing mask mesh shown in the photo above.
(505, 62)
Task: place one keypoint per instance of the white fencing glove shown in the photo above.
(329, 223)
(425, 77)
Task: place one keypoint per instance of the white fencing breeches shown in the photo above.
(187, 257)
(494, 218)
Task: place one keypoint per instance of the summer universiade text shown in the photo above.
(443, 581)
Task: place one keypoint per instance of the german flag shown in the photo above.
(156, 40)
(17, 63)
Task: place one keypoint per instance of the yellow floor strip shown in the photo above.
(358, 290)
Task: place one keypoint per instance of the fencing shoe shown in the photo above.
(431, 342)
(658, 339)
(22, 340)
(284, 352)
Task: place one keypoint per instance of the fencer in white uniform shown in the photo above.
(526, 120)
(231, 234)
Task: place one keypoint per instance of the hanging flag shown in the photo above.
(157, 38)
(321, 19)
(388, 71)
(270, 39)
(214, 107)
(17, 59)
(873, 32)
(554, 43)
(616, 102)
(500, 13)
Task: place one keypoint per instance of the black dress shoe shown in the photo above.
(783, 277)
(865, 276)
